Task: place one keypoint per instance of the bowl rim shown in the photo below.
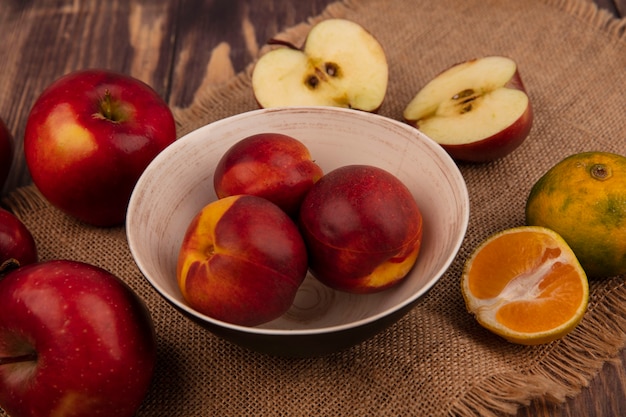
(435, 147)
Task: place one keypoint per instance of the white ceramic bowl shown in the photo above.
(179, 182)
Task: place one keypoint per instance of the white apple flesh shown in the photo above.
(477, 110)
(341, 65)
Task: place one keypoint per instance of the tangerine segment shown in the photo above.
(526, 285)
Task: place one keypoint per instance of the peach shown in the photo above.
(241, 261)
(270, 165)
(362, 227)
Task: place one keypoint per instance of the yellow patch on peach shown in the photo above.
(199, 244)
(392, 271)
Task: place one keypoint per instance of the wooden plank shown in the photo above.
(43, 40)
(213, 49)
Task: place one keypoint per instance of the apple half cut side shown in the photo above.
(340, 65)
(477, 110)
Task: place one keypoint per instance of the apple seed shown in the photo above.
(330, 70)
(463, 94)
(467, 97)
(312, 81)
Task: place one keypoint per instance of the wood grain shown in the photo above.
(179, 46)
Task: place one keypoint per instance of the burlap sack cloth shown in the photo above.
(436, 361)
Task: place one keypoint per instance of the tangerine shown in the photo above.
(583, 199)
(526, 285)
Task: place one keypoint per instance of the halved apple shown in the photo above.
(341, 65)
(477, 110)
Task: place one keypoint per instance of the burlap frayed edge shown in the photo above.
(24, 200)
(565, 369)
(590, 14)
(569, 364)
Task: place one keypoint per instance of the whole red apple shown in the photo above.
(242, 261)
(17, 245)
(88, 139)
(477, 110)
(362, 227)
(270, 165)
(6, 153)
(74, 341)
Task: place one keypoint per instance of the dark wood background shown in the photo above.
(177, 46)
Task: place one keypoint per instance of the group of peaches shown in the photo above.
(356, 228)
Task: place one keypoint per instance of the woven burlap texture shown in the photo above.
(436, 361)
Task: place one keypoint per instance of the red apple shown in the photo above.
(274, 166)
(89, 137)
(17, 245)
(241, 261)
(74, 341)
(6, 153)
(341, 65)
(477, 110)
(362, 227)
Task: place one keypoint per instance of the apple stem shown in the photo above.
(9, 265)
(109, 108)
(107, 105)
(28, 357)
(281, 42)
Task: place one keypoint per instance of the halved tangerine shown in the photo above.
(526, 285)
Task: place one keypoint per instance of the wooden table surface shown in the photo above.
(177, 46)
